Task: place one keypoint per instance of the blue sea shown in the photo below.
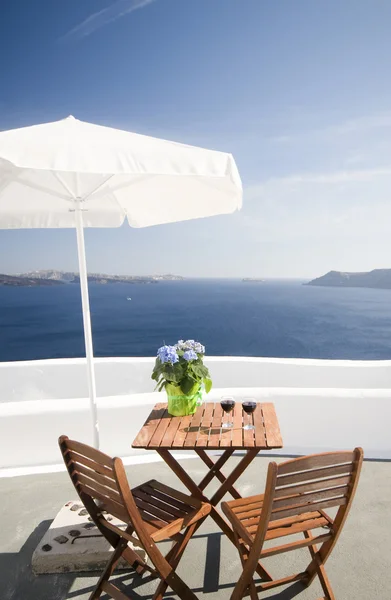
(274, 318)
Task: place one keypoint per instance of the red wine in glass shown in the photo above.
(249, 405)
(227, 404)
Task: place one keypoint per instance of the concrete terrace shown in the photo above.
(359, 568)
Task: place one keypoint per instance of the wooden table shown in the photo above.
(202, 431)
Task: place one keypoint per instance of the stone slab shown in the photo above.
(73, 543)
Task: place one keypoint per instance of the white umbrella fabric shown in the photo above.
(75, 174)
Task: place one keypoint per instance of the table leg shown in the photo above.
(227, 482)
(236, 473)
(226, 486)
(214, 470)
(182, 475)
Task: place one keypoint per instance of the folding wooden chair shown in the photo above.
(296, 494)
(152, 511)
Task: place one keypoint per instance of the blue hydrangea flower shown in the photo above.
(168, 354)
(190, 355)
(190, 345)
(199, 348)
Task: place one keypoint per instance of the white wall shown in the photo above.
(311, 420)
(66, 378)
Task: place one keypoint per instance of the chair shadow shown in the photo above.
(291, 592)
(18, 582)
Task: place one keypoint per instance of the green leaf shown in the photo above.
(173, 373)
(208, 385)
(200, 370)
(161, 386)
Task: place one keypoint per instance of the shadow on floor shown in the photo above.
(18, 582)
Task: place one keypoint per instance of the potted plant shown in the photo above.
(180, 370)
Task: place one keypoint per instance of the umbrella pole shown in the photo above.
(87, 321)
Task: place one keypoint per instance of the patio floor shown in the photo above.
(359, 568)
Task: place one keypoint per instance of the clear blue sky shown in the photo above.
(299, 91)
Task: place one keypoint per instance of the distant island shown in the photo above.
(253, 280)
(18, 281)
(378, 278)
(47, 278)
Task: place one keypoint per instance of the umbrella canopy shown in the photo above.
(75, 174)
(44, 169)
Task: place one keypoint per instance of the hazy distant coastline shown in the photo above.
(48, 278)
(253, 280)
(378, 279)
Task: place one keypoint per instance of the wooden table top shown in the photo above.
(203, 429)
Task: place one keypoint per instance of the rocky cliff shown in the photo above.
(378, 278)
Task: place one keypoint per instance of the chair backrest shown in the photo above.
(309, 484)
(315, 482)
(99, 479)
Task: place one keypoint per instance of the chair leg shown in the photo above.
(173, 557)
(135, 561)
(319, 570)
(112, 563)
(243, 557)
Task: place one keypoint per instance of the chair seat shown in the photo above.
(245, 513)
(165, 511)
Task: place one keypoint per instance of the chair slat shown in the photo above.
(304, 522)
(249, 514)
(306, 525)
(323, 484)
(315, 461)
(305, 508)
(345, 469)
(91, 453)
(112, 507)
(94, 485)
(164, 516)
(181, 506)
(308, 516)
(153, 501)
(70, 456)
(308, 499)
(154, 521)
(236, 505)
(189, 500)
(106, 481)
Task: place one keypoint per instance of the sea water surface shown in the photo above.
(274, 318)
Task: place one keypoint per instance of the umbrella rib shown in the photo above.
(84, 198)
(29, 184)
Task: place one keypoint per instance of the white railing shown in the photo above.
(67, 378)
(320, 404)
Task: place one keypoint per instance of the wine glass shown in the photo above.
(249, 405)
(227, 404)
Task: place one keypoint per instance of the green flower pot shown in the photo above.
(180, 404)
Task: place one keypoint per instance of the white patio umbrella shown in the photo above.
(75, 174)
